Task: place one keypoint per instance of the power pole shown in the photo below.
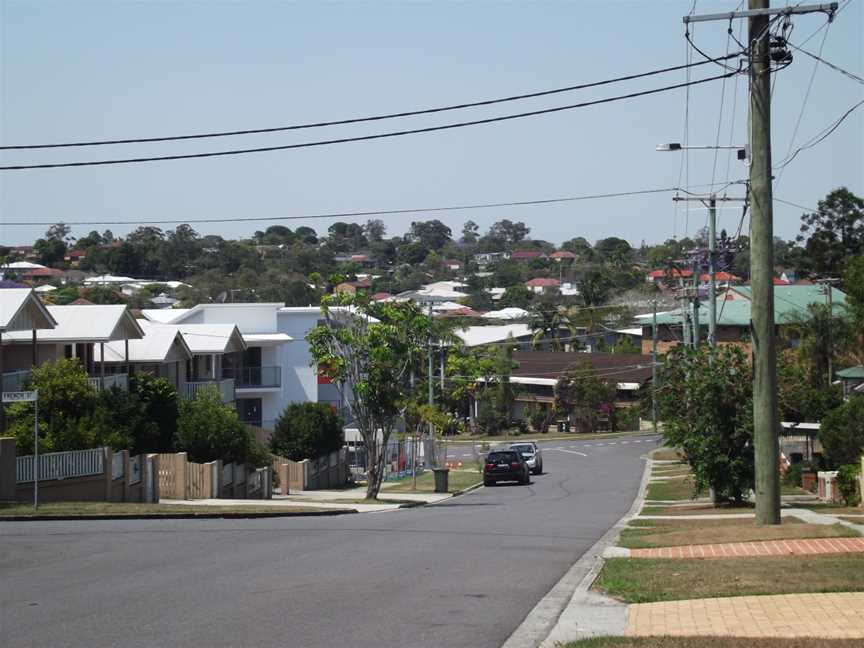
(827, 288)
(654, 365)
(712, 271)
(695, 304)
(765, 417)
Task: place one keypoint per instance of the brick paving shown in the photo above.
(829, 616)
(761, 548)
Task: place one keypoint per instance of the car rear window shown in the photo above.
(502, 457)
(523, 448)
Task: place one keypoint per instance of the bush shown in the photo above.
(792, 477)
(209, 430)
(842, 433)
(536, 415)
(706, 404)
(847, 484)
(159, 399)
(307, 431)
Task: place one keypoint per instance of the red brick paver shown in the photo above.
(764, 548)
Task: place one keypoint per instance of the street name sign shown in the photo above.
(20, 396)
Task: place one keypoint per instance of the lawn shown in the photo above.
(641, 580)
(710, 642)
(666, 454)
(671, 489)
(645, 534)
(113, 509)
(697, 508)
(458, 480)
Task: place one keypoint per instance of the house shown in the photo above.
(276, 367)
(108, 280)
(381, 296)
(734, 315)
(721, 277)
(78, 331)
(540, 285)
(352, 288)
(483, 259)
(526, 255)
(474, 336)
(162, 352)
(559, 256)
(74, 257)
(668, 276)
(41, 274)
(852, 380)
(537, 372)
(21, 312)
(454, 265)
(507, 314)
(18, 268)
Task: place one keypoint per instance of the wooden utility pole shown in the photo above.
(712, 271)
(654, 366)
(765, 418)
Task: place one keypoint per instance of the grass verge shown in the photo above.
(705, 508)
(647, 534)
(666, 454)
(672, 489)
(458, 480)
(128, 509)
(642, 580)
(710, 642)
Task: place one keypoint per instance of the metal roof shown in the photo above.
(86, 323)
(157, 346)
(22, 310)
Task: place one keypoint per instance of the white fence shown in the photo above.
(118, 465)
(60, 465)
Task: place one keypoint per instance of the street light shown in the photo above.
(677, 146)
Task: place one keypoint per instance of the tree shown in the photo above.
(546, 321)
(307, 431)
(159, 398)
(842, 433)
(822, 336)
(370, 350)
(52, 248)
(613, 249)
(853, 284)
(594, 288)
(432, 235)
(705, 400)
(495, 394)
(346, 237)
(470, 232)
(374, 229)
(834, 232)
(582, 395)
(800, 398)
(517, 296)
(209, 430)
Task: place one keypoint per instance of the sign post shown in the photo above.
(27, 397)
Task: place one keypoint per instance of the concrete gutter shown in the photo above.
(570, 610)
(175, 516)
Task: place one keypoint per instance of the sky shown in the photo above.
(103, 70)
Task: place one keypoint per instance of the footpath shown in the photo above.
(682, 568)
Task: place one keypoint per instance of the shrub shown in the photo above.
(159, 399)
(792, 477)
(847, 484)
(307, 431)
(208, 430)
(537, 417)
(842, 433)
(705, 402)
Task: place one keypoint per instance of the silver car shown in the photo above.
(532, 454)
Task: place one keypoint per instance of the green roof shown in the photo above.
(852, 373)
(790, 302)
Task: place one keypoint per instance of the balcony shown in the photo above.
(225, 388)
(121, 381)
(15, 380)
(254, 377)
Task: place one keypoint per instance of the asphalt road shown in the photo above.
(464, 573)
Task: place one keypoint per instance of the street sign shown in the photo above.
(20, 396)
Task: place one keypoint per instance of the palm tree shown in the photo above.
(546, 321)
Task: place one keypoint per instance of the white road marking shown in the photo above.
(570, 451)
(613, 443)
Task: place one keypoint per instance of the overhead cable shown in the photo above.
(362, 138)
(358, 120)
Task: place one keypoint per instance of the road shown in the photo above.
(464, 573)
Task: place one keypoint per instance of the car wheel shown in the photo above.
(488, 482)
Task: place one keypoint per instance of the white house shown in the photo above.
(276, 367)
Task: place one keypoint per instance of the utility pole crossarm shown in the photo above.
(826, 7)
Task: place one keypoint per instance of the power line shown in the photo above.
(345, 140)
(379, 212)
(820, 136)
(792, 204)
(358, 120)
(818, 58)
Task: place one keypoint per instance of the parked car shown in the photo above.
(531, 452)
(505, 465)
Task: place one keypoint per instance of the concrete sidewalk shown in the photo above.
(829, 616)
(805, 547)
(280, 502)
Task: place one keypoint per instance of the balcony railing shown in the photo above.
(121, 381)
(225, 388)
(15, 380)
(246, 377)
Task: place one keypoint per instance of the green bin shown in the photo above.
(442, 479)
(562, 426)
